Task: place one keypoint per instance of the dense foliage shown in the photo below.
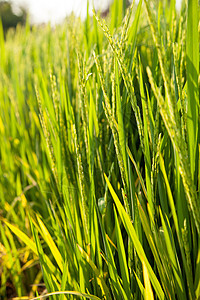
(9, 18)
(99, 156)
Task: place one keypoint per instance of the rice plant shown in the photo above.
(99, 148)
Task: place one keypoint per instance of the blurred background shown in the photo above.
(42, 11)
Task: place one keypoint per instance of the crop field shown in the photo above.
(99, 156)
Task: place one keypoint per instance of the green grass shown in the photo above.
(99, 156)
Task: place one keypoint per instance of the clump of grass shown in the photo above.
(100, 156)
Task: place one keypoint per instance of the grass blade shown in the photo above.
(192, 68)
(131, 232)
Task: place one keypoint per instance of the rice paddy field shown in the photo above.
(99, 156)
